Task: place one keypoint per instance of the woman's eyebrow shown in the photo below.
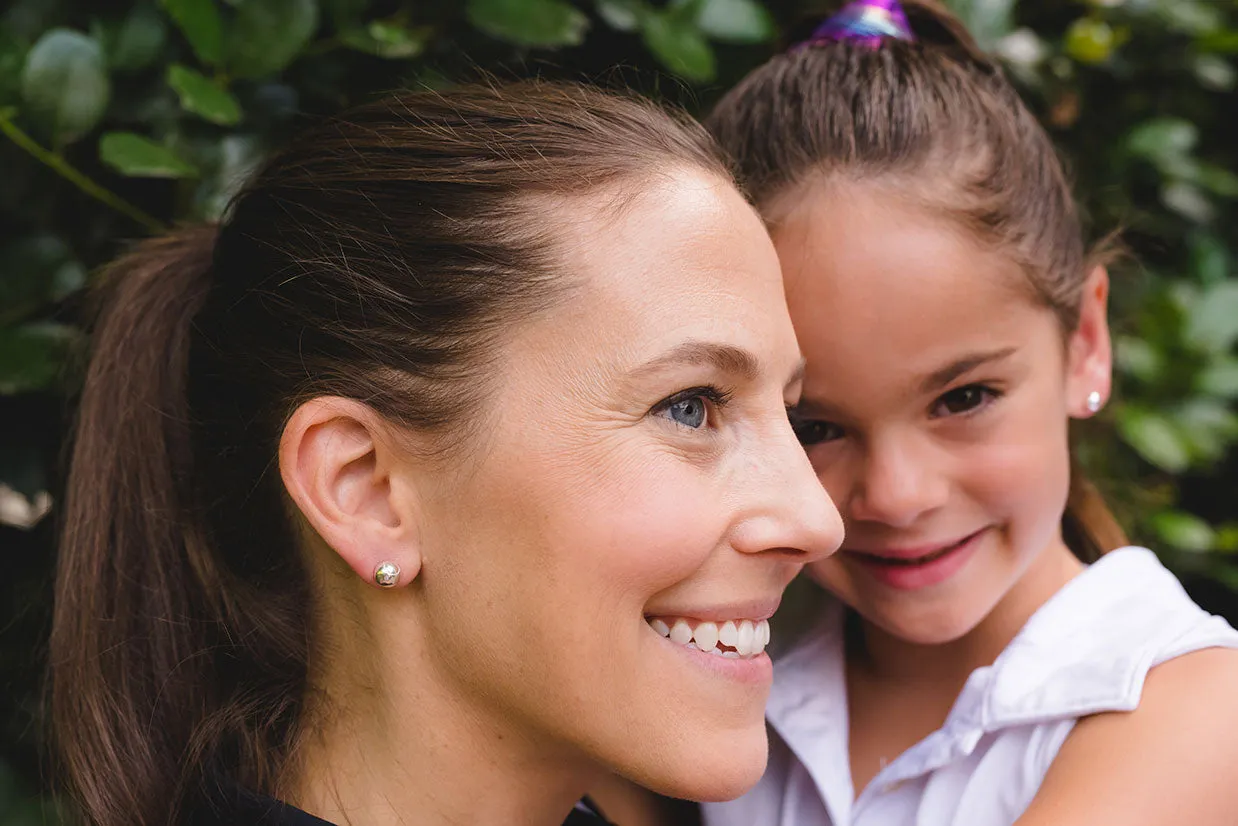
(940, 378)
(726, 358)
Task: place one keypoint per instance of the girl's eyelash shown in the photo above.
(989, 395)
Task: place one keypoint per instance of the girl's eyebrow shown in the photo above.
(940, 378)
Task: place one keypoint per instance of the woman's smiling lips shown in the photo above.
(913, 568)
(728, 640)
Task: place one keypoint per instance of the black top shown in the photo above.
(243, 808)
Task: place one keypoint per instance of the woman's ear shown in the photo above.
(1089, 369)
(337, 461)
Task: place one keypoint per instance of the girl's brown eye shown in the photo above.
(813, 431)
(964, 400)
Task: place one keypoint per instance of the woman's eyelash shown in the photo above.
(709, 401)
(714, 395)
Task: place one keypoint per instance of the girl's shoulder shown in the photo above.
(1169, 759)
(1152, 677)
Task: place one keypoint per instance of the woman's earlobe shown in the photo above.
(337, 465)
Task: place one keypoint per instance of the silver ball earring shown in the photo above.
(1094, 401)
(387, 575)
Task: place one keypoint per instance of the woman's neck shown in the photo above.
(398, 745)
(889, 658)
(419, 769)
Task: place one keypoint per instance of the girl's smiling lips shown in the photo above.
(914, 567)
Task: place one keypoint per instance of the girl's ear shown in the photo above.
(338, 466)
(1089, 368)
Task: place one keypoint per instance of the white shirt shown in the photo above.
(1087, 650)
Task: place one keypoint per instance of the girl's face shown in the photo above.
(935, 407)
(636, 474)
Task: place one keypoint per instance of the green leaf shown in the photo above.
(34, 270)
(1137, 357)
(1189, 201)
(1226, 539)
(679, 46)
(536, 23)
(1154, 437)
(202, 96)
(31, 356)
(141, 157)
(1209, 258)
(988, 20)
(1183, 530)
(138, 41)
(1090, 41)
(736, 21)
(1163, 139)
(1190, 16)
(345, 14)
(1215, 72)
(1219, 378)
(1208, 426)
(268, 35)
(12, 58)
(237, 156)
(65, 85)
(623, 15)
(386, 40)
(199, 21)
(1217, 180)
(1223, 42)
(1212, 324)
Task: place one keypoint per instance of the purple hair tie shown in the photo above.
(865, 22)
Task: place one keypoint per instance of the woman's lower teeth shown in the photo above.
(732, 639)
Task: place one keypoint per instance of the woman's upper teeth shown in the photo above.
(748, 638)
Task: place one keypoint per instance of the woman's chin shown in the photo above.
(714, 771)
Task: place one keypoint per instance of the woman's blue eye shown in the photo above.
(691, 408)
(690, 412)
(964, 400)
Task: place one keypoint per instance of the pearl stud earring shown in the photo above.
(387, 575)
(1094, 401)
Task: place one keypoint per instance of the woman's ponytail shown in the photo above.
(134, 578)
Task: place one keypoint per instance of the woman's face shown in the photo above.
(935, 408)
(637, 475)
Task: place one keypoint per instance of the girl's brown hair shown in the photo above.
(937, 118)
(383, 256)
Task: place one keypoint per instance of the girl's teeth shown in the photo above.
(748, 638)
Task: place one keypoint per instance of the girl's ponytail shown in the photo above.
(1089, 528)
(134, 582)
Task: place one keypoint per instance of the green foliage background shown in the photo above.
(120, 117)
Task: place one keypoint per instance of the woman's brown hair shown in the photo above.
(937, 118)
(382, 256)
